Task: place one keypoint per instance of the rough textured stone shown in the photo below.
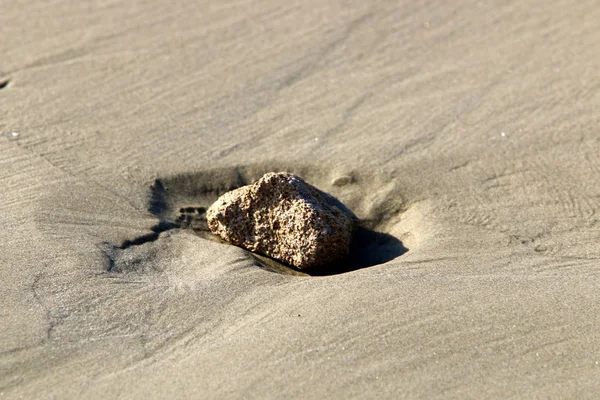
(285, 218)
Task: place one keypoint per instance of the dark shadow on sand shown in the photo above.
(157, 229)
(368, 248)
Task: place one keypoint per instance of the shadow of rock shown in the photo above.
(368, 248)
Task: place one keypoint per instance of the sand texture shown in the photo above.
(465, 136)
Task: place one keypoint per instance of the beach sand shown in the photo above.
(466, 135)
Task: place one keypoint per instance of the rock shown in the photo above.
(285, 218)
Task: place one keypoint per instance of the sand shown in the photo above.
(468, 133)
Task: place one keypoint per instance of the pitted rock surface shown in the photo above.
(285, 218)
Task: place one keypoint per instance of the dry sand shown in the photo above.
(470, 132)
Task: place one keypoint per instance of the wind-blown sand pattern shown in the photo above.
(464, 136)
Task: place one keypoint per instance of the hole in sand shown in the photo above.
(4, 83)
(181, 201)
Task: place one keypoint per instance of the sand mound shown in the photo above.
(181, 202)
